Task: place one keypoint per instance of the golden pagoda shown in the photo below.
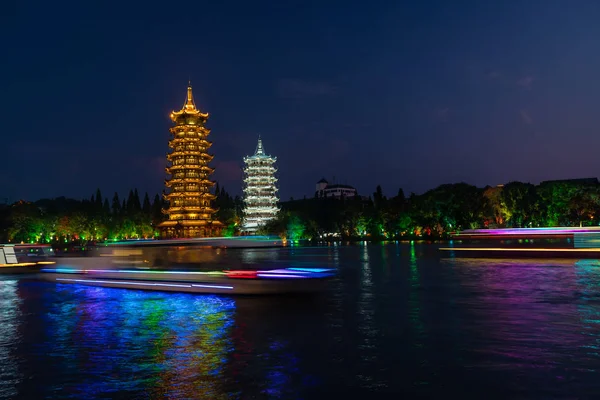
(188, 187)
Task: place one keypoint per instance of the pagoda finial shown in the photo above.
(189, 102)
(259, 148)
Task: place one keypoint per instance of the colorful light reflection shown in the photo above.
(137, 344)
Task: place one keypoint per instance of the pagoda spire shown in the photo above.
(259, 148)
(189, 101)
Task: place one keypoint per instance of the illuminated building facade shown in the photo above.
(188, 187)
(325, 189)
(260, 192)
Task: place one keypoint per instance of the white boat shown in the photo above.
(24, 258)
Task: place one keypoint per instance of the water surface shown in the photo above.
(397, 320)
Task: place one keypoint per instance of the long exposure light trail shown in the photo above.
(144, 284)
(523, 249)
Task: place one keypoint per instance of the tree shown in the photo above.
(106, 207)
(146, 208)
(116, 204)
(378, 197)
(98, 203)
(520, 201)
(137, 206)
(157, 207)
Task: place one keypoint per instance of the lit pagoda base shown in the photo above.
(190, 229)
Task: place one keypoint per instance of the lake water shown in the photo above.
(397, 320)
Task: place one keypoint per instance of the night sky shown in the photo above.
(402, 94)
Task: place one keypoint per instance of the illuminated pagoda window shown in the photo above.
(187, 184)
(260, 192)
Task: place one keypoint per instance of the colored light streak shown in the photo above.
(18, 246)
(317, 270)
(277, 271)
(235, 274)
(17, 265)
(242, 274)
(528, 231)
(122, 282)
(296, 271)
(212, 286)
(144, 284)
(126, 271)
(266, 275)
(518, 249)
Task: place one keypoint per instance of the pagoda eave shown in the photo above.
(191, 210)
(189, 222)
(205, 195)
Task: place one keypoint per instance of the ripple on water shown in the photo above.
(398, 319)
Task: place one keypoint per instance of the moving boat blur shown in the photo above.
(559, 242)
(183, 265)
(249, 282)
(172, 253)
(24, 258)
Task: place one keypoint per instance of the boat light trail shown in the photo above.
(212, 286)
(267, 275)
(126, 271)
(517, 249)
(144, 284)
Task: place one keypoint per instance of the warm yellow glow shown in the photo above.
(17, 265)
(187, 180)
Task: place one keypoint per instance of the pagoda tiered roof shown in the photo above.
(259, 154)
(188, 184)
(189, 114)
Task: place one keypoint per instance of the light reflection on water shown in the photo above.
(397, 319)
(9, 320)
(168, 344)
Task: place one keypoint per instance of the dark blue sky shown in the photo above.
(402, 94)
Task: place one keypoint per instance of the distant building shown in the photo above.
(325, 189)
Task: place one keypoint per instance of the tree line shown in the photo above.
(440, 211)
(433, 214)
(69, 221)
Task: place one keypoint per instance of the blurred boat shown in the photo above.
(557, 242)
(244, 282)
(180, 253)
(24, 258)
